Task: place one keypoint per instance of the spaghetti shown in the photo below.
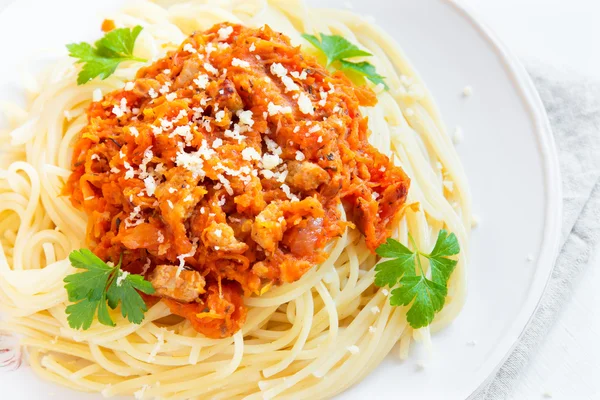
(331, 323)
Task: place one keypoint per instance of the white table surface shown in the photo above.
(564, 33)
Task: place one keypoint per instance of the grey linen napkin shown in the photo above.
(573, 106)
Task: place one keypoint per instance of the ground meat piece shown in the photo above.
(269, 226)
(221, 237)
(189, 71)
(226, 95)
(143, 85)
(305, 175)
(303, 238)
(185, 287)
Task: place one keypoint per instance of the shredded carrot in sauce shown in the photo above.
(221, 171)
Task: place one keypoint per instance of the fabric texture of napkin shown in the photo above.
(573, 107)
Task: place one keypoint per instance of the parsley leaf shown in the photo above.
(428, 299)
(123, 290)
(442, 266)
(337, 49)
(104, 57)
(426, 296)
(101, 286)
(366, 69)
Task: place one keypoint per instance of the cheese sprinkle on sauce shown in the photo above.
(228, 177)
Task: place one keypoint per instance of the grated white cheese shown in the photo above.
(165, 88)
(299, 156)
(252, 47)
(171, 96)
(130, 173)
(278, 69)
(375, 310)
(458, 136)
(245, 117)
(225, 32)
(353, 349)
(305, 104)
(236, 62)
(226, 184)
(150, 185)
(209, 68)
(286, 189)
(121, 109)
(235, 133)
(160, 340)
(129, 86)
(134, 218)
(201, 81)
(275, 109)
(97, 95)
(189, 48)
(270, 161)
(219, 116)
(133, 131)
(152, 93)
(209, 48)
(218, 142)
(372, 329)
(267, 174)
(475, 221)
(122, 276)
(250, 154)
(467, 91)
(95, 157)
(301, 76)
(290, 85)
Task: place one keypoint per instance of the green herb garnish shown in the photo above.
(405, 268)
(104, 57)
(100, 285)
(337, 50)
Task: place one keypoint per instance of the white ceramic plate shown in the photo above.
(509, 157)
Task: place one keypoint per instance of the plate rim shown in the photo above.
(553, 213)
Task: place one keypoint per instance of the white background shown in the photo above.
(566, 34)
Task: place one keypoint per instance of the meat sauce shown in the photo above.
(219, 172)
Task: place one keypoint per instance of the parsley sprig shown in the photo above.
(426, 295)
(102, 285)
(104, 57)
(337, 49)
